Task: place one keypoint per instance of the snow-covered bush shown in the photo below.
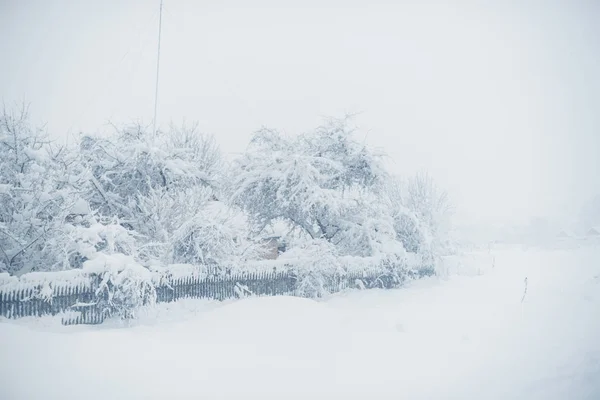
(316, 262)
(422, 216)
(216, 236)
(108, 238)
(321, 269)
(123, 284)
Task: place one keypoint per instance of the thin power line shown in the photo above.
(157, 69)
(106, 86)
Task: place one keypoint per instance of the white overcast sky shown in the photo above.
(499, 101)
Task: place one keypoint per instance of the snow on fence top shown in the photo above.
(116, 285)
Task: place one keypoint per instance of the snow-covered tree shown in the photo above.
(39, 184)
(165, 188)
(408, 228)
(132, 164)
(201, 149)
(324, 183)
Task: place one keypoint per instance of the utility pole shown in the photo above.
(157, 71)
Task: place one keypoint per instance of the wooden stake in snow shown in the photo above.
(525, 291)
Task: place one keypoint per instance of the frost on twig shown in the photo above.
(242, 290)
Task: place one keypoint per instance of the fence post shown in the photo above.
(21, 295)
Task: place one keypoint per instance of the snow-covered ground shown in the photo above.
(467, 336)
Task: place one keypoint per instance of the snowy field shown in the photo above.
(466, 336)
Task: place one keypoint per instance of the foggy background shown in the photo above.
(499, 102)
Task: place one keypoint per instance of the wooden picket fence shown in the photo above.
(86, 304)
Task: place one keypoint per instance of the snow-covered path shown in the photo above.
(466, 337)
